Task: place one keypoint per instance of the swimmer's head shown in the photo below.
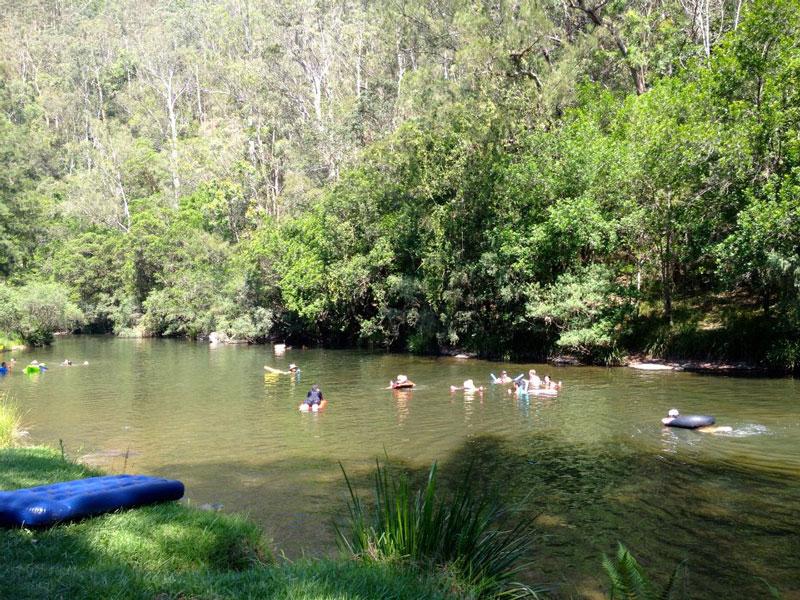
(673, 412)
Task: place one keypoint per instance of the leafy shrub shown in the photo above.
(34, 312)
(585, 308)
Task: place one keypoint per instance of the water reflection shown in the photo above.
(402, 402)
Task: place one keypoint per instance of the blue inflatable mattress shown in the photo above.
(69, 500)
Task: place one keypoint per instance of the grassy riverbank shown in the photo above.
(169, 551)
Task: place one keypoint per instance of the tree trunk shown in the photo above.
(666, 262)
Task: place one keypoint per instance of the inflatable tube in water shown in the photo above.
(49, 504)
(543, 392)
(403, 386)
(691, 421)
(314, 408)
(32, 369)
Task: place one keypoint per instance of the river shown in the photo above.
(592, 467)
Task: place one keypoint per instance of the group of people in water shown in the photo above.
(33, 367)
(521, 387)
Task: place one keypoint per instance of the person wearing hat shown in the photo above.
(293, 370)
(504, 377)
(400, 382)
(671, 416)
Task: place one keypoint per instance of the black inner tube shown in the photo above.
(692, 421)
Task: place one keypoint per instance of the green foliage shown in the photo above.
(460, 534)
(35, 311)
(512, 179)
(585, 308)
(630, 582)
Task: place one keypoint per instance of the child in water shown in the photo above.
(314, 398)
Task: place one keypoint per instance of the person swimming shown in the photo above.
(314, 400)
(468, 386)
(673, 414)
(400, 382)
(504, 378)
(293, 370)
(534, 381)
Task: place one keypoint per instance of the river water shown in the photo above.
(591, 467)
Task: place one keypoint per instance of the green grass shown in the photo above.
(171, 551)
(10, 418)
(460, 535)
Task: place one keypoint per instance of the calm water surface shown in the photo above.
(592, 467)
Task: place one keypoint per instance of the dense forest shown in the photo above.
(507, 177)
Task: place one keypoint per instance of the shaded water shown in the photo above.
(593, 466)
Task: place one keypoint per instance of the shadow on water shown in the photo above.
(734, 527)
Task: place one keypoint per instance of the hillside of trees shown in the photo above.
(515, 178)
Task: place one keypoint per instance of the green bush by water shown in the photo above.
(460, 535)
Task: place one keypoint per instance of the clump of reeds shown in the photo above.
(461, 534)
(10, 418)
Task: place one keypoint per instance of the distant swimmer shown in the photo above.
(520, 388)
(314, 400)
(67, 363)
(503, 379)
(704, 423)
(293, 370)
(468, 387)
(401, 382)
(549, 384)
(534, 381)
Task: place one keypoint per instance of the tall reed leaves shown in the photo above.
(9, 421)
(461, 532)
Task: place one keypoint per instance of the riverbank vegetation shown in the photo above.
(418, 546)
(513, 179)
(10, 419)
(171, 550)
(460, 536)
